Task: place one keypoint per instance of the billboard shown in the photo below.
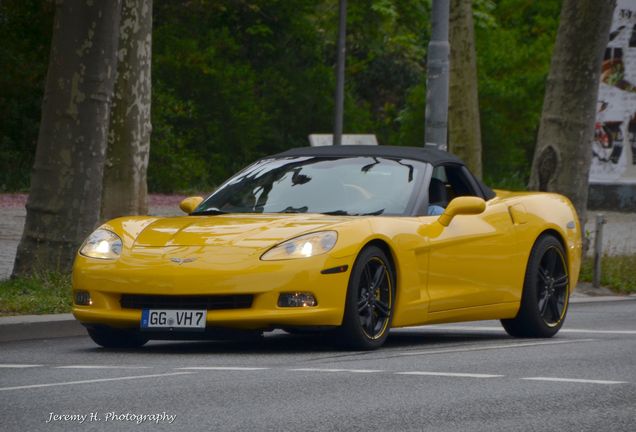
(614, 145)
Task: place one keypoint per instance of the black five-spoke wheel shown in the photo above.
(545, 295)
(552, 286)
(370, 298)
(375, 298)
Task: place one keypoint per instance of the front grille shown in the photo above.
(208, 302)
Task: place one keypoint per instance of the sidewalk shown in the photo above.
(13, 213)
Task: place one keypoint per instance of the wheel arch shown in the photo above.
(557, 235)
(386, 248)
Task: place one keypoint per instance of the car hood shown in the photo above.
(253, 231)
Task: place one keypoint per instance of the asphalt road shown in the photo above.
(464, 377)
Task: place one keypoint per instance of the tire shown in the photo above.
(545, 297)
(303, 331)
(369, 304)
(116, 338)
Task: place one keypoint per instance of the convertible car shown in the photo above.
(347, 240)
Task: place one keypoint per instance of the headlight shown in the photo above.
(102, 244)
(305, 246)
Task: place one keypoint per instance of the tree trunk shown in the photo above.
(464, 131)
(125, 189)
(66, 181)
(564, 145)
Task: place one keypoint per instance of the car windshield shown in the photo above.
(339, 186)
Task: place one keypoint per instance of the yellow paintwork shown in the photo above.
(471, 269)
(187, 205)
(462, 205)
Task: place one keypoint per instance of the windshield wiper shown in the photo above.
(208, 212)
(346, 213)
(337, 213)
(291, 209)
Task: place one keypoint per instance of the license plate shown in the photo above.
(162, 319)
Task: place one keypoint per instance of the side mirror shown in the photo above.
(189, 204)
(462, 206)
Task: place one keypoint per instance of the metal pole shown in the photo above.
(340, 74)
(437, 78)
(598, 249)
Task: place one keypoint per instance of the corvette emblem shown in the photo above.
(180, 261)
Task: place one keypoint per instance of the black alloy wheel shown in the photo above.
(374, 298)
(370, 299)
(546, 291)
(552, 286)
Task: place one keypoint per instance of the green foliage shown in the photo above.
(617, 272)
(244, 79)
(235, 80)
(25, 27)
(38, 294)
(513, 60)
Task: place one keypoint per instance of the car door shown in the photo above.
(474, 260)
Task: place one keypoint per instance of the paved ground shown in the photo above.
(464, 377)
(619, 233)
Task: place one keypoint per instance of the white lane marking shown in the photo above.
(335, 370)
(223, 368)
(617, 332)
(500, 329)
(450, 374)
(8, 365)
(492, 347)
(100, 367)
(93, 381)
(574, 380)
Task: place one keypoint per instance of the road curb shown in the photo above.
(597, 299)
(27, 327)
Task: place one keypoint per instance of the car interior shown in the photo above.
(448, 182)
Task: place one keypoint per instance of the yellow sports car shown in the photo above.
(350, 240)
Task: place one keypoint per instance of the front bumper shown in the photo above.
(264, 280)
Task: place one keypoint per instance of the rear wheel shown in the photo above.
(545, 295)
(116, 338)
(370, 298)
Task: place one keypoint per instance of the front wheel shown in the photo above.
(370, 298)
(545, 297)
(116, 338)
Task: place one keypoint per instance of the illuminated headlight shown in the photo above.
(102, 244)
(304, 246)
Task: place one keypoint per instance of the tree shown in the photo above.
(514, 39)
(125, 189)
(564, 145)
(66, 181)
(25, 32)
(464, 131)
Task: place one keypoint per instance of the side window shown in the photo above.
(448, 182)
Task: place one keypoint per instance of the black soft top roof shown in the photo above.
(424, 154)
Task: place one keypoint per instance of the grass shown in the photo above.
(51, 292)
(617, 272)
(38, 294)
